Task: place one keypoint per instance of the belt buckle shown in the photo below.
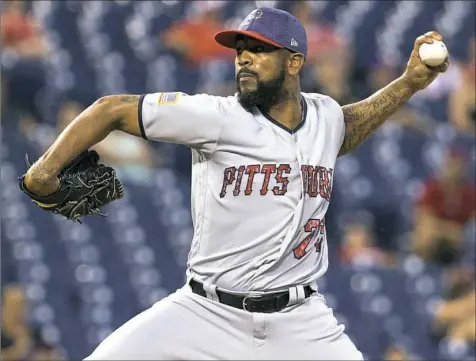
(244, 304)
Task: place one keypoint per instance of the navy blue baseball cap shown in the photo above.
(273, 26)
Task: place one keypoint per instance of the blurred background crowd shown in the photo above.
(401, 226)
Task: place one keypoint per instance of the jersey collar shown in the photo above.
(289, 130)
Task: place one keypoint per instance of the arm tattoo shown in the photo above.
(127, 99)
(131, 99)
(363, 118)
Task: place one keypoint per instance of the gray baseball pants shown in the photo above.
(186, 326)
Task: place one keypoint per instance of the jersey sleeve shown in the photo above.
(341, 124)
(336, 117)
(191, 120)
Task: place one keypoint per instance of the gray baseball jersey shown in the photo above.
(260, 192)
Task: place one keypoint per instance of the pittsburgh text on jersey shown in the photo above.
(317, 180)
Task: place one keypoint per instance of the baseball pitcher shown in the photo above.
(263, 169)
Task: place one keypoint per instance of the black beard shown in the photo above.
(265, 96)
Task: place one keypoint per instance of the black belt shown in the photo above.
(268, 303)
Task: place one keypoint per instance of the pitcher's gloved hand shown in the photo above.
(84, 187)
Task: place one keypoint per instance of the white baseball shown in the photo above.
(433, 54)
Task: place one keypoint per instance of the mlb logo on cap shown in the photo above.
(273, 26)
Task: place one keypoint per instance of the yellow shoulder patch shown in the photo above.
(168, 98)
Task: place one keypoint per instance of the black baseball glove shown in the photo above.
(85, 186)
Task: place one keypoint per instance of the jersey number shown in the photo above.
(315, 227)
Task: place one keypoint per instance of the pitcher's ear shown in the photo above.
(296, 62)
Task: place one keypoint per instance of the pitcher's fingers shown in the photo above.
(434, 35)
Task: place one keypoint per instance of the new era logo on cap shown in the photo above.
(294, 42)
